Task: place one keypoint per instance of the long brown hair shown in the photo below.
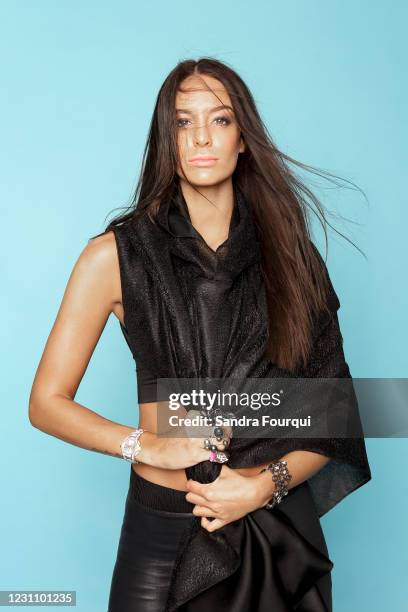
(295, 280)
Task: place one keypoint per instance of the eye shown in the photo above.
(224, 120)
(180, 122)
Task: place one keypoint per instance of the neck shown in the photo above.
(210, 208)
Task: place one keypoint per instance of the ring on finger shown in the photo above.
(207, 443)
(218, 456)
(222, 441)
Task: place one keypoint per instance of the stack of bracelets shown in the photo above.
(281, 478)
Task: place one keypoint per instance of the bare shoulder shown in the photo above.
(102, 248)
(99, 254)
(99, 261)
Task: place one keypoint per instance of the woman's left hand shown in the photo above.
(228, 498)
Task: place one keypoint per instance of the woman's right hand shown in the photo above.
(185, 450)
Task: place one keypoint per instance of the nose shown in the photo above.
(202, 135)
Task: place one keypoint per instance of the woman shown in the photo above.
(213, 276)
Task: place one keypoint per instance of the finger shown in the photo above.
(211, 525)
(193, 498)
(203, 511)
(221, 445)
(198, 488)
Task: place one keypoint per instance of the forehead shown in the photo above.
(193, 93)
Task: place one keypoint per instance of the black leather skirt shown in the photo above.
(284, 559)
(154, 522)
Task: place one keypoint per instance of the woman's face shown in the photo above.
(206, 127)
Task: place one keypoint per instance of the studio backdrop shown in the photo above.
(79, 82)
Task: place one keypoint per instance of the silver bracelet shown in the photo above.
(281, 476)
(131, 446)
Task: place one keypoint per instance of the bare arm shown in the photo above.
(90, 296)
(302, 465)
(92, 293)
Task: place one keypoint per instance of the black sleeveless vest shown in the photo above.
(190, 312)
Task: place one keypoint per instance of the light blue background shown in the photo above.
(78, 85)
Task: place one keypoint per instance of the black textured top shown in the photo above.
(209, 297)
(190, 312)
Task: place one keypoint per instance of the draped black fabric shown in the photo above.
(190, 312)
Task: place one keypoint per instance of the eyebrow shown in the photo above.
(211, 110)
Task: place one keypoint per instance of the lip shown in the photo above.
(203, 160)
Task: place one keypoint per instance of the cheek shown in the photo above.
(184, 143)
(227, 144)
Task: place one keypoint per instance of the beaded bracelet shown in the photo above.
(281, 476)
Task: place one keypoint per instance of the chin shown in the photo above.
(206, 178)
